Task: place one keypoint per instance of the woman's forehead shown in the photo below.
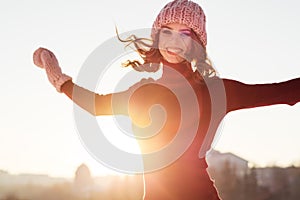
(176, 26)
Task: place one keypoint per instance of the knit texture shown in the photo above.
(182, 12)
(44, 58)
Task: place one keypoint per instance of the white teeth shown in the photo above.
(174, 50)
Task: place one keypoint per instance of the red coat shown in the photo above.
(174, 151)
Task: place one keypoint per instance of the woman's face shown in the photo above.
(174, 42)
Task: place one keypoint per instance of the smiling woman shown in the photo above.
(191, 100)
(175, 42)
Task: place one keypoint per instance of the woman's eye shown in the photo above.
(185, 34)
(166, 32)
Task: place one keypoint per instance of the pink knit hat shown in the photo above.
(183, 12)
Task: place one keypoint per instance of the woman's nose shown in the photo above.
(175, 39)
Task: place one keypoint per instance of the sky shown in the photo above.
(250, 41)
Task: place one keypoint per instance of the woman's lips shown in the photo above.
(173, 51)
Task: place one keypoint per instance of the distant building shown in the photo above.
(276, 178)
(11, 180)
(83, 182)
(216, 160)
(3, 171)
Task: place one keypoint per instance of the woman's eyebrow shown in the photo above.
(185, 29)
(164, 26)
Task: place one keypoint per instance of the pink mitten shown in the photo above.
(44, 58)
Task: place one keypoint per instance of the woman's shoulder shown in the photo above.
(142, 82)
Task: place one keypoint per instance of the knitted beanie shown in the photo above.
(183, 12)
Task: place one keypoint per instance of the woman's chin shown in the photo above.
(174, 59)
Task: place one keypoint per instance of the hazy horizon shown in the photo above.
(250, 41)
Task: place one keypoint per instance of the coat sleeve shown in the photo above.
(240, 95)
(112, 104)
(117, 103)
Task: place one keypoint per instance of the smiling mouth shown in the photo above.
(174, 51)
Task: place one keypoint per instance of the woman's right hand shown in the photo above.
(45, 59)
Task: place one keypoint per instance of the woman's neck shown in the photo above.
(183, 68)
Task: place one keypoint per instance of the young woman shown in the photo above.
(194, 101)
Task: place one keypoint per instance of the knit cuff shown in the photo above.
(60, 81)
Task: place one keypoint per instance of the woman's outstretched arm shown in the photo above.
(93, 103)
(240, 95)
(96, 104)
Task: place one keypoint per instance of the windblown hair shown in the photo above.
(149, 52)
